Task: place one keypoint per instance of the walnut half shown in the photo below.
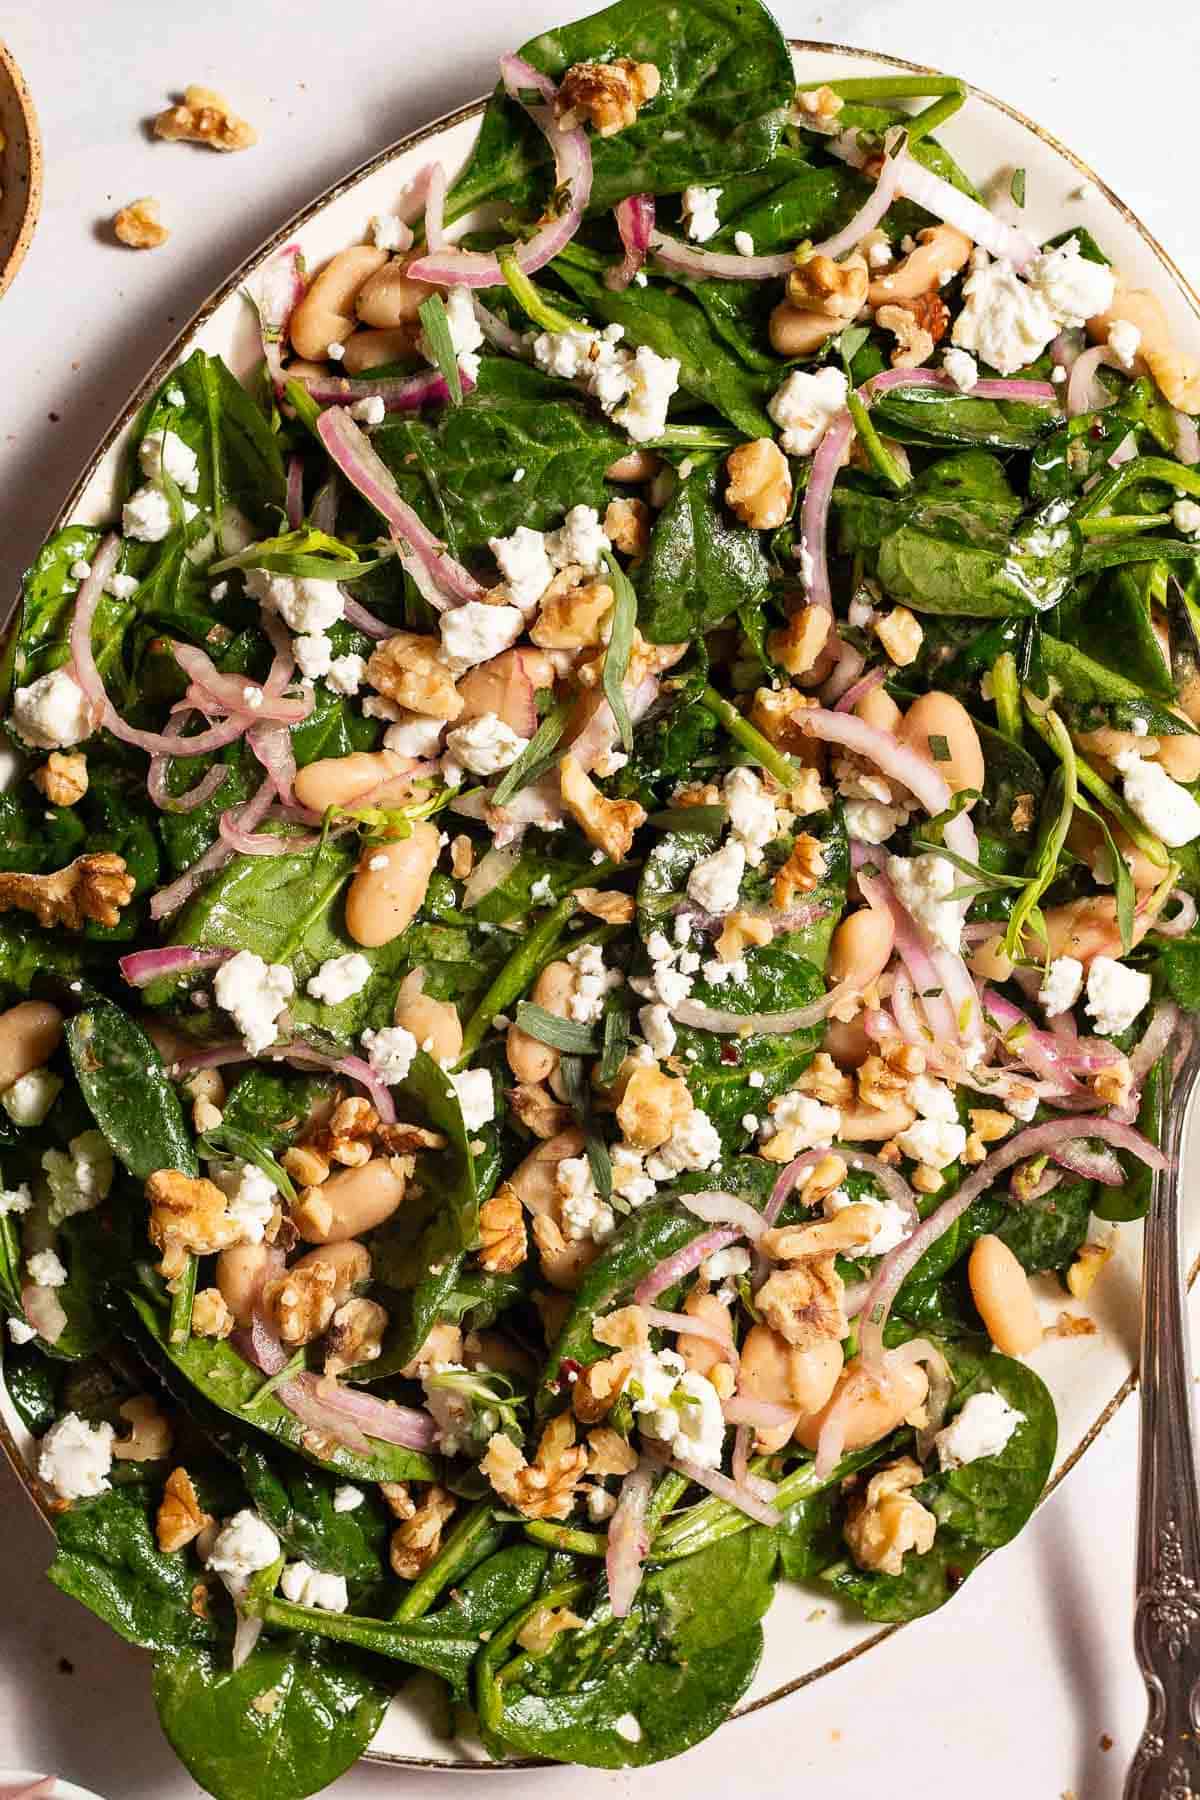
(606, 96)
(140, 226)
(886, 1522)
(203, 117)
(544, 1488)
(95, 886)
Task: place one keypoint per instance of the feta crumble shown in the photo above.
(1185, 516)
(1116, 995)
(932, 1142)
(46, 1269)
(923, 885)
(581, 540)
(370, 410)
(593, 980)
(962, 369)
(805, 406)
(700, 216)
(347, 1498)
(982, 1428)
(339, 978)
(390, 1051)
(1163, 805)
(305, 605)
(164, 452)
(1124, 340)
(751, 813)
(254, 993)
(1005, 322)
(52, 713)
(743, 243)
(813, 1123)
(414, 735)
(306, 1586)
(74, 1458)
(252, 1198)
(585, 1217)
(891, 1223)
(244, 1545)
(390, 233)
(1062, 986)
(146, 515)
(80, 1177)
(715, 880)
(485, 745)
(654, 1023)
(475, 632)
(476, 1096)
(1073, 288)
(695, 1144)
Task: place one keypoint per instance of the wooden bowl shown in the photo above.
(20, 168)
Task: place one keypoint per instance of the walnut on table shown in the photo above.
(204, 117)
(139, 225)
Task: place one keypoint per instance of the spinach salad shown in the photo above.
(613, 870)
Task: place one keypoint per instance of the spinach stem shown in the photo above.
(294, 1366)
(1006, 695)
(513, 979)
(304, 407)
(1133, 474)
(711, 1520)
(181, 1302)
(930, 117)
(891, 87)
(879, 456)
(744, 733)
(1122, 524)
(488, 1703)
(562, 1537)
(460, 1550)
(531, 300)
(1108, 797)
(1051, 837)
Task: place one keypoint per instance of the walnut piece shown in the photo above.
(837, 290)
(606, 904)
(917, 325)
(417, 1541)
(462, 856)
(653, 1106)
(609, 1454)
(609, 824)
(538, 1110)
(819, 104)
(301, 1303)
(503, 1241)
(625, 1329)
(826, 1082)
(180, 1516)
(778, 713)
(150, 1435)
(800, 642)
(804, 1304)
(801, 872)
(885, 1078)
(355, 1335)
(189, 1216)
(562, 1262)
(543, 1626)
(1112, 1084)
(823, 1178)
(139, 225)
(759, 488)
(62, 778)
(606, 95)
(740, 932)
(901, 636)
(627, 525)
(210, 1315)
(572, 616)
(599, 1386)
(306, 1165)
(205, 118)
(885, 1522)
(849, 1229)
(95, 886)
(544, 1488)
(444, 1344)
(408, 669)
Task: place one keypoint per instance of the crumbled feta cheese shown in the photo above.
(20, 1332)
(79, 570)
(524, 562)
(700, 215)
(691, 1421)
(542, 891)
(628, 1726)
(601, 1505)
(717, 973)
(962, 369)
(932, 1099)
(244, 1545)
(1124, 340)
(74, 1458)
(812, 1123)
(750, 1122)
(715, 880)
(1116, 995)
(871, 822)
(164, 452)
(390, 1052)
(390, 233)
(584, 1214)
(891, 1223)
(175, 396)
(651, 379)
(743, 243)
(1058, 373)
(654, 1023)
(254, 993)
(1163, 805)
(475, 632)
(1073, 288)
(314, 654)
(347, 1498)
(306, 1586)
(695, 1144)
(982, 1428)
(485, 745)
(653, 1379)
(16, 1200)
(220, 590)
(80, 1180)
(414, 735)
(252, 1198)
(370, 410)
(121, 587)
(52, 713)
(751, 813)
(581, 540)
(563, 353)
(476, 1096)
(46, 1269)
(923, 885)
(879, 254)
(146, 515)
(592, 982)
(1185, 516)
(1006, 323)
(630, 1180)
(805, 407)
(757, 1079)
(933, 1142)
(1062, 986)
(340, 978)
(306, 605)
(466, 333)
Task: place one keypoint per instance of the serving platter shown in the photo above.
(1089, 1376)
(20, 168)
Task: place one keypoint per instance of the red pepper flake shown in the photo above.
(730, 1053)
(568, 1371)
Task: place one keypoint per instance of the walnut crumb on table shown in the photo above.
(140, 226)
(205, 117)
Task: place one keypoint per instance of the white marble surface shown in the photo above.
(1015, 1687)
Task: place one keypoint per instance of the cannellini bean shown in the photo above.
(1176, 372)
(877, 1408)
(937, 715)
(943, 250)
(861, 945)
(388, 298)
(341, 780)
(444, 1344)
(637, 465)
(795, 332)
(701, 1355)
(772, 1369)
(240, 1274)
(1088, 928)
(1105, 744)
(528, 1058)
(877, 708)
(1179, 755)
(1086, 839)
(506, 686)
(493, 1350)
(372, 349)
(355, 1201)
(390, 884)
(29, 1035)
(326, 313)
(434, 1023)
(862, 1124)
(532, 1181)
(989, 960)
(1000, 1289)
(349, 1260)
(847, 1042)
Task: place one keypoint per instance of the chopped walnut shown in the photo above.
(885, 1522)
(819, 104)
(625, 1329)
(504, 1244)
(804, 1304)
(543, 1626)
(928, 1180)
(1024, 813)
(826, 1082)
(627, 525)
(301, 1302)
(1089, 1260)
(990, 1123)
(778, 713)
(62, 778)
(901, 636)
(884, 1077)
(838, 290)
(562, 1263)
(572, 617)
(609, 1454)
(801, 872)
(205, 1116)
(598, 1387)
(355, 1335)
(917, 326)
(544, 1488)
(697, 793)
(306, 1165)
(1070, 1325)
(189, 1216)
(609, 824)
(823, 1178)
(806, 795)
(140, 226)
(417, 1541)
(537, 1109)
(652, 1107)
(312, 1215)
(849, 1229)
(605, 95)
(210, 1315)
(462, 856)
(800, 642)
(759, 488)
(1112, 1084)
(606, 904)
(180, 1516)
(444, 1344)
(408, 669)
(150, 1435)
(95, 886)
(740, 932)
(205, 118)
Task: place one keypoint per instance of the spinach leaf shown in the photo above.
(1115, 622)
(922, 415)
(273, 1108)
(127, 1088)
(1085, 680)
(1028, 573)
(701, 567)
(108, 1559)
(296, 1500)
(725, 74)
(238, 455)
(293, 1718)
(30, 1378)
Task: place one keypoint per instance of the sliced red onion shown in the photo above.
(356, 614)
(850, 699)
(1092, 1165)
(945, 202)
(917, 956)
(359, 462)
(264, 843)
(848, 665)
(1046, 1183)
(294, 504)
(1037, 1049)
(1181, 923)
(628, 1539)
(869, 215)
(732, 1024)
(283, 661)
(814, 511)
(920, 1353)
(204, 789)
(247, 816)
(1065, 350)
(314, 1411)
(900, 762)
(635, 223)
(1003, 388)
(246, 1634)
(673, 1268)
(764, 1415)
(1164, 1023)
(726, 1209)
(141, 967)
(236, 693)
(500, 334)
(399, 393)
(885, 1177)
(385, 1421)
(1084, 392)
(742, 1497)
(357, 1070)
(325, 506)
(272, 745)
(281, 287)
(572, 171)
(435, 207)
(1125, 451)
(44, 1311)
(38, 1790)
(684, 1325)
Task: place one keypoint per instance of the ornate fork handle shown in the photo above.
(1166, 1765)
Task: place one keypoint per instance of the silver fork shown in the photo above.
(1166, 1631)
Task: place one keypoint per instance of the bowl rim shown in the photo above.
(10, 67)
(153, 379)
